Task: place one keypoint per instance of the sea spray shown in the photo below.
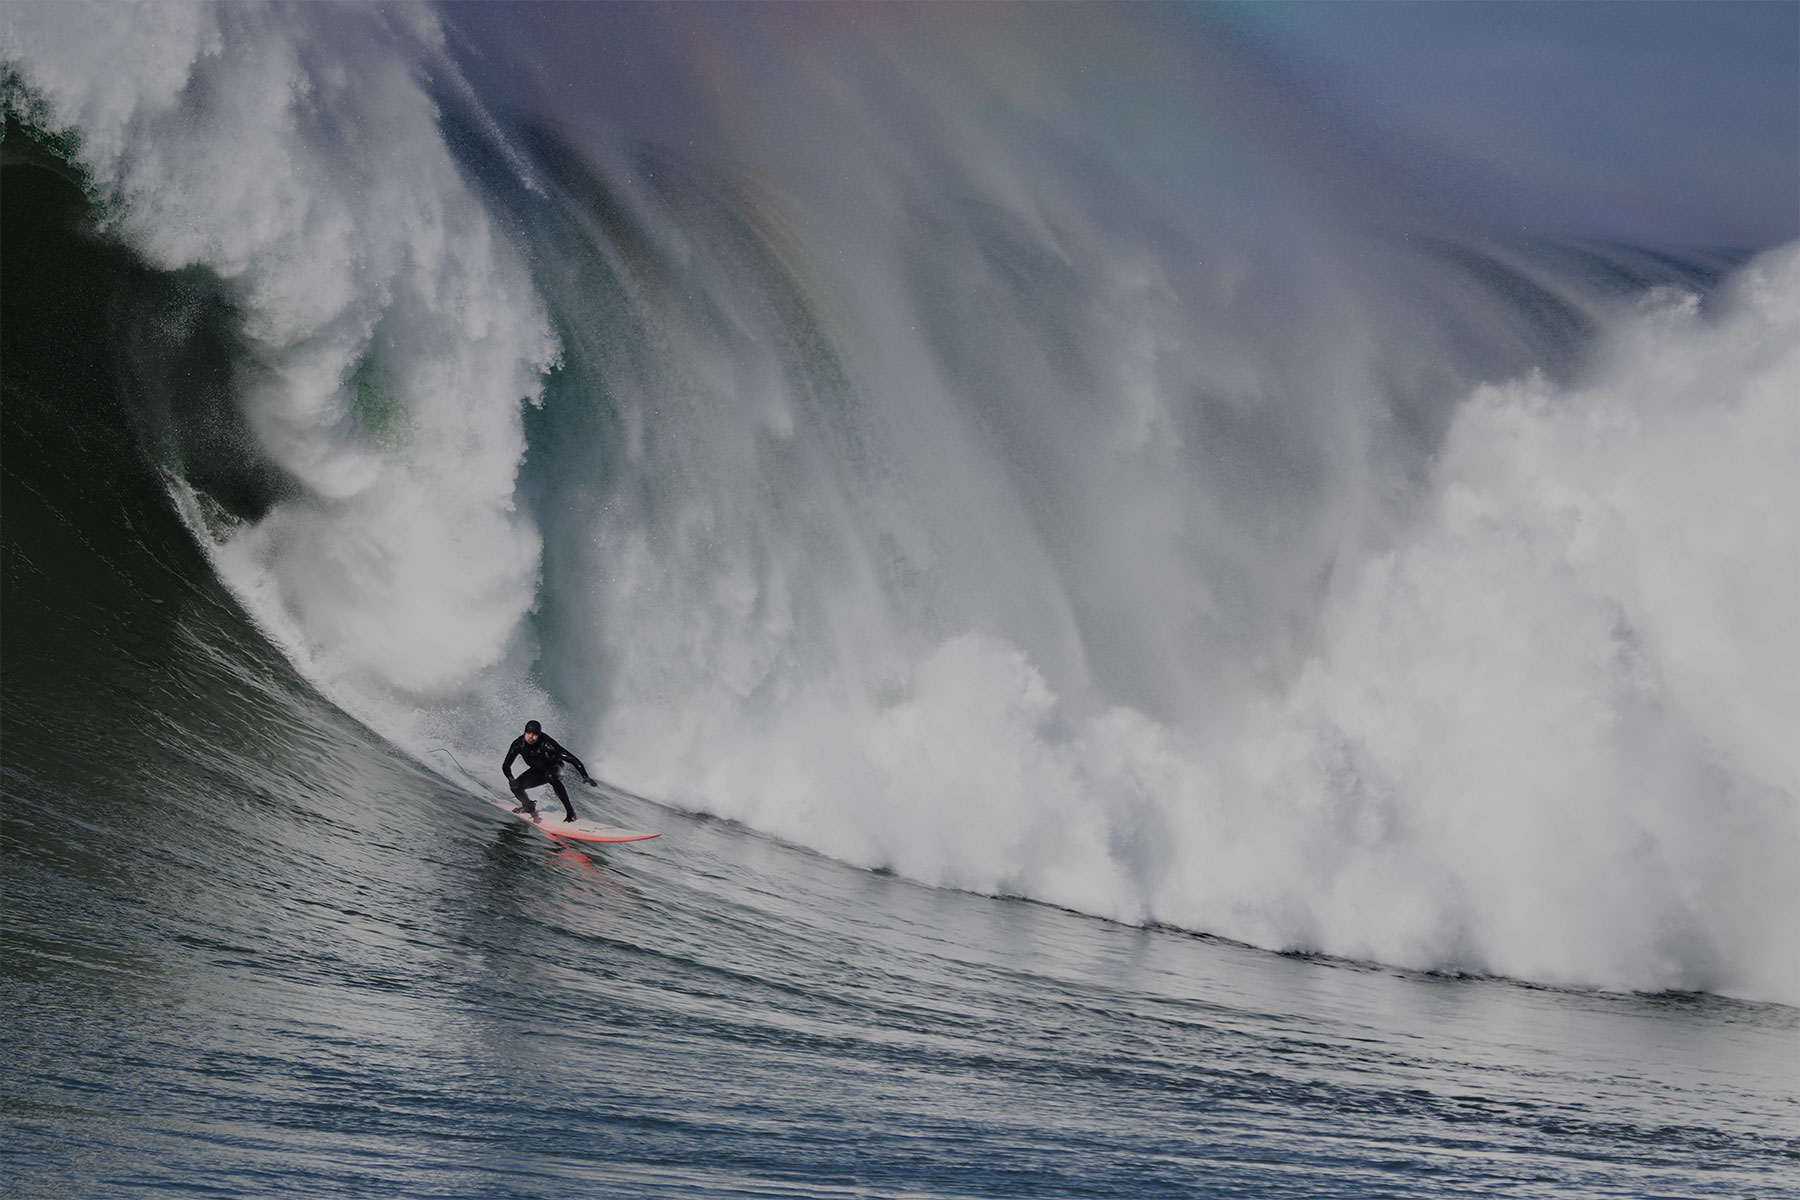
(1563, 702)
(1543, 735)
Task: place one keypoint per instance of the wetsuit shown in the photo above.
(542, 759)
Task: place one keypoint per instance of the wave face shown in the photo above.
(1163, 500)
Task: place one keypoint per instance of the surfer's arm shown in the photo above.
(563, 752)
(512, 753)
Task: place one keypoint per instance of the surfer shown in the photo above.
(544, 758)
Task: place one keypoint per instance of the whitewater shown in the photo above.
(1043, 507)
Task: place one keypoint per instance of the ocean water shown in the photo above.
(1176, 650)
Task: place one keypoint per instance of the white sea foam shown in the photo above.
(1565, 704)
(390, 335)
(1547, 734)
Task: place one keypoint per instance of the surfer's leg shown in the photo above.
(562, 793)
(530, 779)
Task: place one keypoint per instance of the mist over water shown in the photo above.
(1156, 498)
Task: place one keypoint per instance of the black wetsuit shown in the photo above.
(542, 758)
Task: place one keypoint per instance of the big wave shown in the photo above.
(1224, 539)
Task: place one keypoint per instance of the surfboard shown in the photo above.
(550, 820)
